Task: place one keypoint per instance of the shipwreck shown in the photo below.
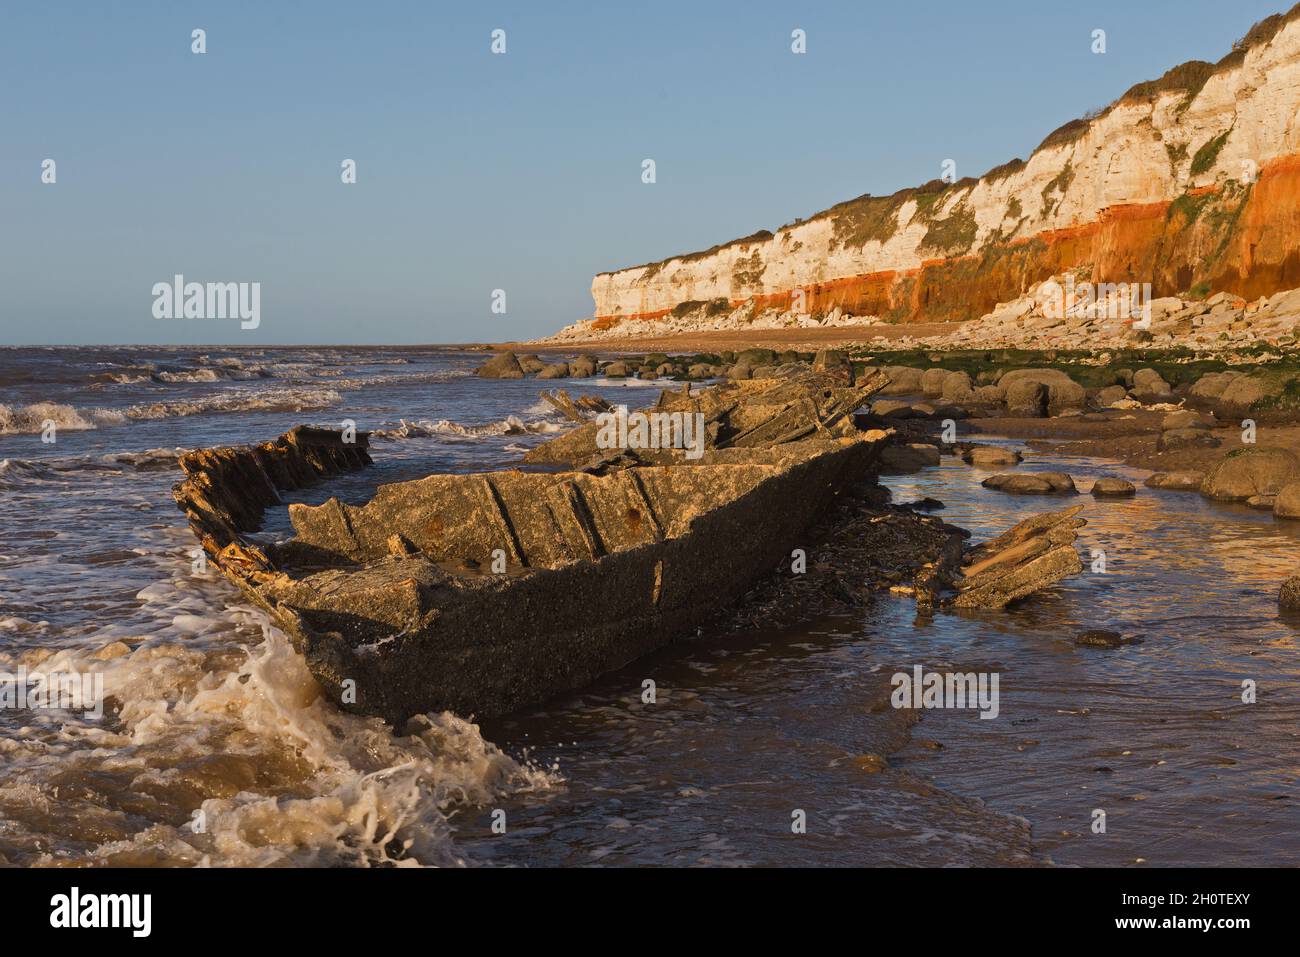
(484, 593)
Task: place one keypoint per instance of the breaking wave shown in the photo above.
(225, 754)
(31, 419)
(424, 428)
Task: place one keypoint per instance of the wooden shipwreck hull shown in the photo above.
(485, 593)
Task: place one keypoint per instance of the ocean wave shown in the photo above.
(424, 428)
(15, 473)
(31, 419)
(242, 739)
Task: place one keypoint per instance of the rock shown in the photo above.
(764, 372)
(583, 367)
(503, 366)
(1033, 555)
(1262, 503)
(987, 395)
(895, 409)
(1099, 638)
(531, 364)
(1289, 597)
(1287, 505)
(903, 380)
(1188, 481)
(1063, 393)
(1026, 400)
(905, 459)
(1210, 387)
(830, 360)
(700, 371)
(870, 763)
(1251, 471)
(757, 357)
(558, 370)
(1245, 392)
(1186, 419)
(1177, 439)
(1150, 386)
(1030, 483)
(1113, 488)
(932, 382)
(991, 456)
(957, 387)
(666, 370)
(740, 370)
(616, 370)
(1108, 396)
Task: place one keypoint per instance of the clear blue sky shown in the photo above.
(477, 171)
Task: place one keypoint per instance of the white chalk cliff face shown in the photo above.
(1191, 182)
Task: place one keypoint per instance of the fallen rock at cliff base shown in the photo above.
(1287, 503)
(503, 366)
(1113, 488)
(1033, 555)
(990, 456)
(1187, 481)
(1251, 471)
(1032, 483)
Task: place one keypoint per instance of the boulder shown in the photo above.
(741, 370)
(1287, 504)
(583, 367)
(1113, 488)
(1063, 393)
(503, 366)
(616, 370)
(1245, 392)
(957, 387)
(1150, 386)
(1186, 419)
(895, 409)
(1251, 471)
(1099, 638)
(531, 364)
(1026, 400)
(1032, 483)
(1289, 597)
(932, 381)
(903, 380)
(1107, 397)
(1188, 481)
(990, 456)
(905, 459)
(1210, 387)
(1177, 439)
(557, 370)
(830, 360)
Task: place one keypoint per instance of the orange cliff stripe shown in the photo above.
(1124, 241)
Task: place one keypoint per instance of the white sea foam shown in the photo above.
(425, 428)
(242, 734)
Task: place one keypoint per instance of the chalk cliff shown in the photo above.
(1190, 182)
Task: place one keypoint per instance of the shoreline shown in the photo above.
(738, 340)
